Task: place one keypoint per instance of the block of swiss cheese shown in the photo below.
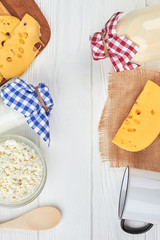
(18, 51)
(142, 125)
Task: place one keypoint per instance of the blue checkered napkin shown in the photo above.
(22, 97)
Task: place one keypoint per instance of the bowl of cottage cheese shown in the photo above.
(22, 171)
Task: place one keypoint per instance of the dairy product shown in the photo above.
(142, 26)
(10, 118)
(142, 125)
(19, 50)
(20, 171)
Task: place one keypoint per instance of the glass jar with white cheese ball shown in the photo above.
(22, 171)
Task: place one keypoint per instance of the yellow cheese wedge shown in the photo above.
(142, 126)
(18, 51)
(7, 24)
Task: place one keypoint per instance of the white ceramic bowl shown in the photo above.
(40, 186)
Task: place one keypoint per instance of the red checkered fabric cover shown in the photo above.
(120, 49)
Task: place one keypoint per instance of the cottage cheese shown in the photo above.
(20, 170)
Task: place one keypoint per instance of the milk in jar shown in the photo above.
(142, 27)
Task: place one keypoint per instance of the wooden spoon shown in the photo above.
(41, 218)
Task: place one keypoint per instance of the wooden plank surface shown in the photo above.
(78, 183)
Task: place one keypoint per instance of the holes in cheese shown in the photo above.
(25, 34)
(7, 24)
(142, 126)
(17, 53)
(138, 111)
(21, 50)
(152, 112)
(8, 59)
(2, 43)
(8, 34)
(21, 41)
(12, 51)
(131, 129)
(136, 121)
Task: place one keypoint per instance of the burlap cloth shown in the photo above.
(123, 89)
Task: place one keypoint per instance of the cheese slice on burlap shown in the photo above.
(7, 24)
(18, 51)
(142, 126)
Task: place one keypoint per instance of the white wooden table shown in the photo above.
(84, 189)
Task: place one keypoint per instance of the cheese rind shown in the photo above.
(18, 51)
(142, 126)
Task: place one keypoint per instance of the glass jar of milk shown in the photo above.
(142, 26)
(9, 118)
